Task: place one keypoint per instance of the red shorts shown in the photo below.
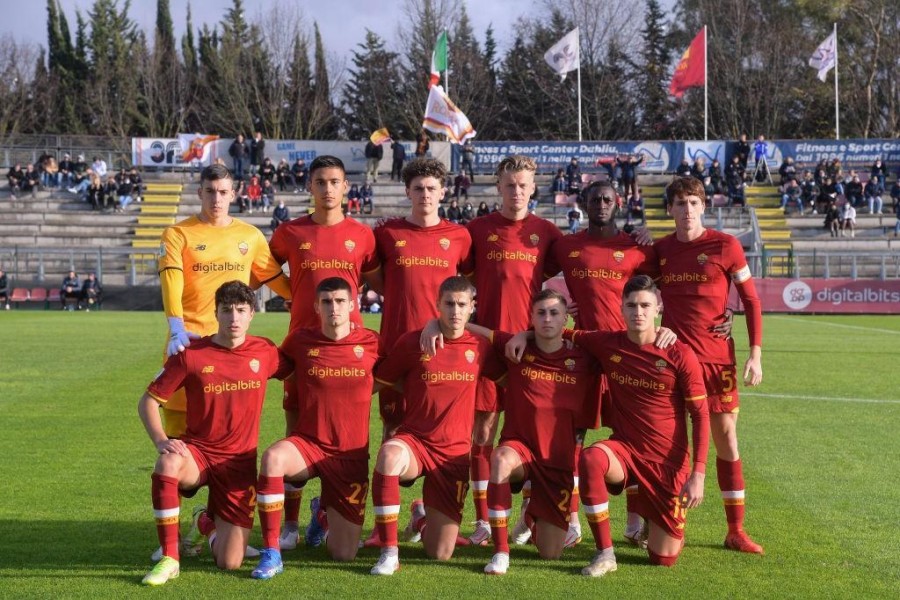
(232, 486)
(446, 481)
(392, 406)
(659, 487)
(345, 479)
(597, 407)
(721, 388)
(489, 397)
(551, 488)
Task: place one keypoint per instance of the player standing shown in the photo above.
(333, 371)
(224, 377)
(697, 266)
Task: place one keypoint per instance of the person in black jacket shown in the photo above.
(70, 289)
(299, 171)
(257, 152)
(715, 176)
(742, 151)
(91, 292)
(398, 156)
(628, 164)
(238, 151)
(374, 153)
(4, 289)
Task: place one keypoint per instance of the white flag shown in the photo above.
(564, 55)
(825, 56)
(442, 116)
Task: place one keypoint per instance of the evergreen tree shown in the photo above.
(653, 94)
(369, 99)
(324, 123)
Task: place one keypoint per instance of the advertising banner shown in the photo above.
(863, 296)
(658, 156)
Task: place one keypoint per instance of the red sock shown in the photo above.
(269, 502)
(481, 472)
(573, 505)
(660, 560)
(205, 524)
(631, 496)
(593, 467)
(731, 483)
(499, 508)
(293, 496)
(386, 498)
(166, 511)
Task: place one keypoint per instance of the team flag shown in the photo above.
(442, 116)
(196, 147)
(380, 137)
(564, 55)
(438, 59)
(691, 71)
(825, 56)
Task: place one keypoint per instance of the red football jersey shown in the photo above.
(315, 252)
(651, 388)
(334, 387)
(544, 394)
(440, 389)
(225, 390)
(596, 271)
(695, 282)
(415, 261)
(508, 263)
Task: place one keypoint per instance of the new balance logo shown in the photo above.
(313, 352)
(200, 247)
(208, 369)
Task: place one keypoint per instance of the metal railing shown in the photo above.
(33, 264)
(822, 264)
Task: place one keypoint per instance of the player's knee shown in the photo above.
(593, 458)
(391, 459)
(229, 563)
(341, 553)
(272, 462)
(661, 560)
(169, 464)
(502, 462)
(440, 553)
(549, 553)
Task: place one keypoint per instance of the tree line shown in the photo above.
(273, 73)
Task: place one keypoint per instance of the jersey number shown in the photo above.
(360, 493)
(462, 488)
(563, 505)
(728, 383)
(252, 490)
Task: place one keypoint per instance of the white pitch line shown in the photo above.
(841, 325)
(823, 398)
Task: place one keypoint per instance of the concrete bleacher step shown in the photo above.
(157, 221)
(161, 209)
(155, 187)
(162, 199)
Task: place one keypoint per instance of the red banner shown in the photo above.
(867, 296)
(691, 71)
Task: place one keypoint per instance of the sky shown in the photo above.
(342, 26)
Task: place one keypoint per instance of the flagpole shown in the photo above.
(578, 36)
(705, 86)
(837, 110)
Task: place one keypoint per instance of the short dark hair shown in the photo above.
(455, 284)
(334, 284)
(234, 293)
(548, 294)
(639, 283)
(681, 187)
(424, 167)
(596, 185)
(326, 161)
(215, 172)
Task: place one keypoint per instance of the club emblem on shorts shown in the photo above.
(529, 357)
(162, 249)
(618, 256)
(358, 351)
(254, 365)
(570, 364)
(400, 244)
(444, 243)
(313, 352)
(702, 258)
(662, 262)
(661, 365)
(306, 246)
(470, 356)
(574, 253)
(493, 237)
(349, 245)
(208, 369)
(535, 239)
(243, 248)
(615, 358)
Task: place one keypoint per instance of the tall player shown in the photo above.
(224, 376)
(333, 370)
(315, 247)
(697, 266)
(509, 248)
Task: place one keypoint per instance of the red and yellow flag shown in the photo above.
(691, 71)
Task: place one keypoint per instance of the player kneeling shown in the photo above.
(224, 377)
(330, 439)
(652, 389)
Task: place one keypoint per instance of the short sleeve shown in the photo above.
(170, 379)
(492, 366)
(265, 267)
(278, 245)
(370, 261)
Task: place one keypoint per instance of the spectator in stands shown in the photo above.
(137, 183)
(848, 219)
(684, 168)
(820, 176)
(699, 170)
(121, 175)
(468, 158)
(483, 210)
(787, 170)
(91, 293)
(895, 194)
(66, 171)
(366, 198)
(734, 169)
(760, 153)
(834, 169)
(635, 208)
(398, 156)
(791, 192)
(267, 171)
(32, 180)
(628, 164)
(708, 188)
(422, 144)
(873, 193)
(353, 205)
(715, 176)
(468, 213)
(896, 225)
(442, 212)
(4, 289)
(496, 207)
(826, 192)
(573, 176)
(742, 152)
(79, 169)
(254, 194)
(95, 193)
(49, 171)
(608, 164)
(878, 174)
(808, 188)
(854, 190)
(280, 215)
(124, 193)
(284, 176)
(832, 218)
(373, 153)
(454, 212)
(243, 199)
(298, 169)
(461, 184)
(559, 185)
(257, 153)
(15, 176)
(268, 194)
(70, 290)
(99, 167)
(736, 194)
(238, 151)
(574, 218)
(110, 193)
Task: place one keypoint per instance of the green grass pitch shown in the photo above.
(819, 440)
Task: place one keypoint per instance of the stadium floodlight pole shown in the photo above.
(705, 86)
(837, 109)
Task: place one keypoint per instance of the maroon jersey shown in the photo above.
(695, 283)
(596, 271)
(415, 261)
(651, 388)
(544, 394)
(334, 384)
(440, 389)
(225, 389)
(508, 263)
(315, 252)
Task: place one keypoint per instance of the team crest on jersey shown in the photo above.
(400, 244)
(444, 243)
(470, 356)
(425, 358)
(200, 247)
(529, 357)
(615, 358)
(208, 369)
(350, 245)
(243, 248)
(313, 352)
(535, 239)
(493, 237)
(306, 246)
(162, 249)
(618, 256)
(702, 258)
(254, 365)
(570, 364)
(574, 253)
(661, 365)
(358, 351)
(662, 262)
